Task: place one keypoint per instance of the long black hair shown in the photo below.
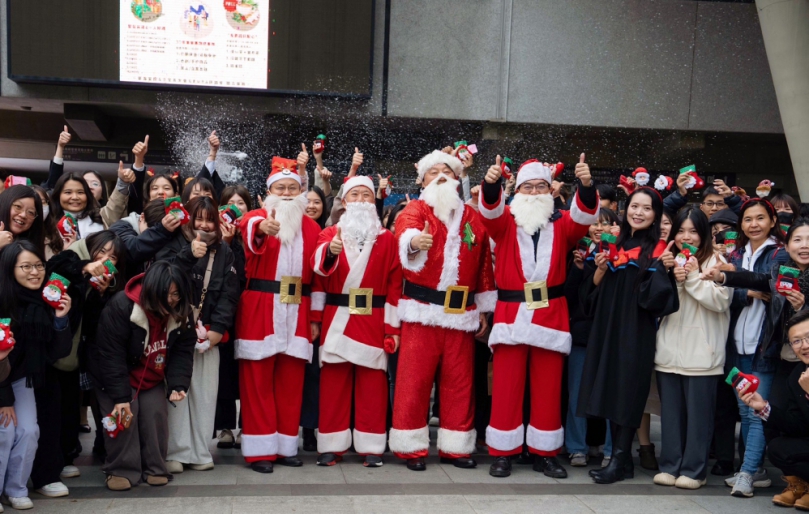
(104, 195)
(91, 210)
(8, 281)
(798, 223)
(147, 185)
(206, 208)
(35, 234)
(236, 189)
(651, 236)
(97, 241)
(154, 294)
(204, 185)
(324, 213)
(775, 231)
(700, 222)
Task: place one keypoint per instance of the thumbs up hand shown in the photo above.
(198, 248)
(423, 241)
(494, 172)
(356, 162)
(6, 237)
(270, 226)
(64, 138)
(125, 174)
(139, 151)
(582, 172)
(336, 245)
(667, 258)
(213, 146)
(303, 159)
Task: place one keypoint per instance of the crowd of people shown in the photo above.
(537, 316)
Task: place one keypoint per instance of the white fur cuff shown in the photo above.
(409, 441)
(545, 440)
(455, 442)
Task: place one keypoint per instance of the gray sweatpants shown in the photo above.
(139, 450)
(686, 423)
(18, 444)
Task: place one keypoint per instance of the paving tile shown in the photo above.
(520, 474)
(287, 504)
(449, 504)
(556, 504)
(626, 504)
(66, 505)
(171, 506)
(306, 474)
(760, 503)
(222, 474)
(393, 472)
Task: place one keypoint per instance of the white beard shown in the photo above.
(359, 225)
(532, 212)
(443, 198)
(289, 213)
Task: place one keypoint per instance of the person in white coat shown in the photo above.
(690, 356)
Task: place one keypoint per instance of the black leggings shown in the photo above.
(790, 455)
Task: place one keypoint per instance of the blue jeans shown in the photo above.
(752, 427)
(576, 427)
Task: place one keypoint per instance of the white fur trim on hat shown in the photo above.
(357, 181)
(439, 157)
(534, 171)
(278, 175)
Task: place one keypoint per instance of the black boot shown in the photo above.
(328, 459)
(722, 468)
(647, 457)
(620, 466)
(309, 440)
(501, 467)
(460, 462)
(614, 472)
(549, 466)
(262, 466)
(416, 464)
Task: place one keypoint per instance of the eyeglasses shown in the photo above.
(604, 223)
(711, 205)
(175, 295)
(19, 209)
(528, 188)
(28, 267)
(797, 343)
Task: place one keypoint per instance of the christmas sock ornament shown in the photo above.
(687, 251)
(12, 180)
(6, 341)
(320, 144)
(67, 225)
(174, 206)
(202, 343)
(111, 425)
(787, 280)
(641, 176)
(230, 214)
(585, 247)
(741, 380)
(110, 271)
(629, 186)
(506, 166)
(607, 246)
(730, 241)
(465, 149)
(695, 182)
(54, 289)
(664, 183)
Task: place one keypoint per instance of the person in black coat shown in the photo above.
(143, 235)
(143, 354)
(625, 293)
(199, 250)
(790, 451)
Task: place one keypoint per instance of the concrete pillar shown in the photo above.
(785, 26)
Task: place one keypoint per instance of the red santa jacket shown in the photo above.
(460, 256)
(357, 338)
(265, 325)
(516, 263)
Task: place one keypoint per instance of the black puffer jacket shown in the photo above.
(122, 335)
(222, 296)
(141, 247)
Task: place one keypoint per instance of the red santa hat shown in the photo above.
(283, 168)
(533, 170)
(358, 181)
(438, 157)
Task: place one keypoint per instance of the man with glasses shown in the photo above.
(790, 451)
(532, 243)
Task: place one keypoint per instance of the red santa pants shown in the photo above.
(505, 433)
(370, 391)
(425, 349)
(271, 393)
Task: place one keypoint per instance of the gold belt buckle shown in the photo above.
(448, 299)
(353, 294)
(291, 290)
(531, 302)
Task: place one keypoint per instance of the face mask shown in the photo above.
(45, 210)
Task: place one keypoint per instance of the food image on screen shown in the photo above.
(242, 14)
(197, 21)
(147, 10)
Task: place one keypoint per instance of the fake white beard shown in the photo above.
(289, 212)
(443, 198)
(532, 212)
(359, 224)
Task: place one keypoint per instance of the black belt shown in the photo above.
(452, 304)
(274, 286)
(343, 300)
(507, 295)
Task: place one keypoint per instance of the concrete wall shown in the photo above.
(660, 64)
(616, 63)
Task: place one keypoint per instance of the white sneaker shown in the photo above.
(54, 490)
(21, 503)
(174, 467)
(578, 460)
(760, 479)
(201, 467)
(70, 472)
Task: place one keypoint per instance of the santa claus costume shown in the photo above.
(532, 244)
(446, 289)
(273, 323)
(362, 285)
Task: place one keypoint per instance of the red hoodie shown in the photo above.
(152, 367)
